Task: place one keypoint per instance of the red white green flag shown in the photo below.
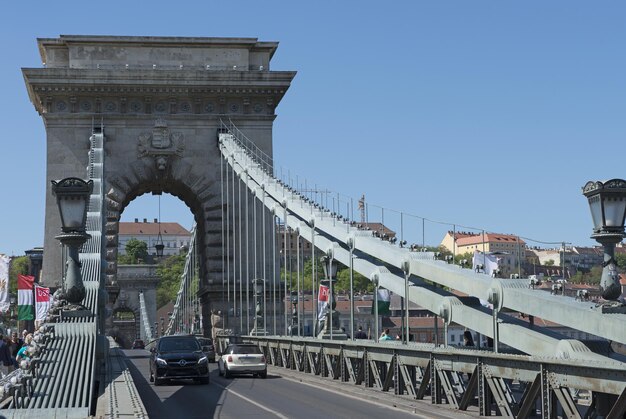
(322, 301)
(384, 301)
(25, 297)
(42, 302)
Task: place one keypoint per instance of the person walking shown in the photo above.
(360, 334)
(385, 335)
(15, 345)
(5, 356)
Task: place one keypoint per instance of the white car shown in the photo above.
(242, 358)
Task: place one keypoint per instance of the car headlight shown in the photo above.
(161, 362)
(203, 360)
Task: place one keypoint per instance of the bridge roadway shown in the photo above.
(281, 395)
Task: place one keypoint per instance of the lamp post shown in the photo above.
(331, 323)
(607, 202)
(159, 246)
(294, 311)
(259, 299)
(12, 303)
(72, 196)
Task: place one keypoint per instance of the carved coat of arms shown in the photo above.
(161, 143)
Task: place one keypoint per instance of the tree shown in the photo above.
(578, 277)
(360, 282)
(595, 275)
(467, 256)
(549, 263)
(19, 266)
(136, 253)
(169, 272)
(620, 258)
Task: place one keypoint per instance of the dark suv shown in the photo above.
(178, 357)
(207, 347)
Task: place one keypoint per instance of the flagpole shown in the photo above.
(376, 334)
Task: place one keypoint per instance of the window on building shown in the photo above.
(452, 338)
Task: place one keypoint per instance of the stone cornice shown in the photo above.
(145, 92)
(179, 78)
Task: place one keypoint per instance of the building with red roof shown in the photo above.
(173, 235)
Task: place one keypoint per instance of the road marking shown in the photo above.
(267, 409)
(379, 402)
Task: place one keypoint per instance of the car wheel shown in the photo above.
(263, 374)
(227, 373)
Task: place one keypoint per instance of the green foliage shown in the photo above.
(169, 272)
(361, 283)
(549, 263)
(578, 278)
(467, 256)
(136, 253)
(594, 276)
(19, 266)
(620, 258)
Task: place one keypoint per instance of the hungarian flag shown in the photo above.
(25, 297)
(322, 301)
(383, 300)
(4, 283)
(42, 302)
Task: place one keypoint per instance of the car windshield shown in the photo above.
(179, 344)
(244, 349)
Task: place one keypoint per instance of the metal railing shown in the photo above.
(67, 380)
(508, 385)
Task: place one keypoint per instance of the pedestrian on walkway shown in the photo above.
(385, 335)
(5, 356)
(14, 346)
(360, 334)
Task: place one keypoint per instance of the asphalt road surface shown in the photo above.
(276, 396)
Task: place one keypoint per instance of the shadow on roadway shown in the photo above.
(185, 398)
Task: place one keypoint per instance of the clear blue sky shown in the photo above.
(488, 114)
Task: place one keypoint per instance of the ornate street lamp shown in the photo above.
(330, 267)
(331, 323)
(72, 196)
(294, 312)
(607, 202)
(159, 246)
(259, 298)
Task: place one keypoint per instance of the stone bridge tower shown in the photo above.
(159, 101)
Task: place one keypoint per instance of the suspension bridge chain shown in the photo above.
(402, 270)
(186, 316)
(146, 330)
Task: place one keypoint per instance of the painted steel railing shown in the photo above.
(505, 384)
(66, 383)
